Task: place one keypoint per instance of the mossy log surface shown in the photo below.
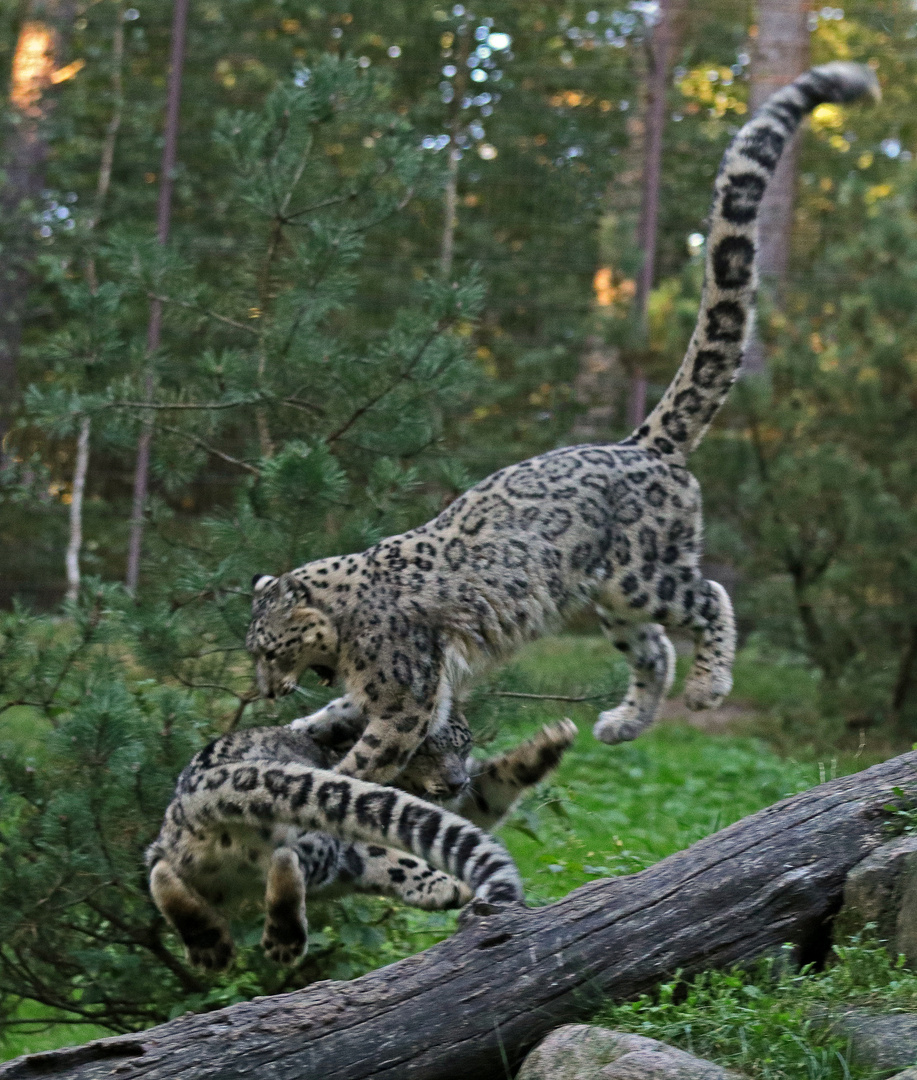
(472, 1006)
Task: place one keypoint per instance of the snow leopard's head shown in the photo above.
(288, 634)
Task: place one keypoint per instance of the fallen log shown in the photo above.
(469, 1008)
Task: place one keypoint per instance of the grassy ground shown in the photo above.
(614, 810)
(38, 1030)
(609, 811)
(762, 1023)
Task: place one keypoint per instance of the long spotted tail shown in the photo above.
(259, 793)
(711, 364)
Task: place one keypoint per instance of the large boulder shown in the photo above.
(882, 889)
(581, 1052)
(880, 1040)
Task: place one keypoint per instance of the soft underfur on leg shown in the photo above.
(286, 931)
(406, 877)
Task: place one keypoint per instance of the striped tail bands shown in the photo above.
(258, 793)
(678, 423)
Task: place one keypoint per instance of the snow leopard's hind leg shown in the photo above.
(286, 930)
(498, 782)
(713, 624)
(203, 931)
(651, 659)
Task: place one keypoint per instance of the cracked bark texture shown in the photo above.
(474, 1005)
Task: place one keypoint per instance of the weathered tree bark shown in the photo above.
(780, 53)
(472, 1006)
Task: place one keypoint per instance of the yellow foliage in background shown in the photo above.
(714, 87)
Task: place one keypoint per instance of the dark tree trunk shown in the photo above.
(472, 1006)
(659, 50)
(780, 53)
(163, 220)
(456, 126)
(36, 67)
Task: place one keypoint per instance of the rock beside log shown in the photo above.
(880, 1040)
(581, 1052)
(882, 889)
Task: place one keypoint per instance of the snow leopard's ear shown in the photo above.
(261, 581)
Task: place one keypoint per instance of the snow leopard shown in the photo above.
(406, 623)
(257, 815)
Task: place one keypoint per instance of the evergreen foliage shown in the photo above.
(321, 383)
(328, 425)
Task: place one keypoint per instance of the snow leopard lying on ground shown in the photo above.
(257, 815)
(405, 623)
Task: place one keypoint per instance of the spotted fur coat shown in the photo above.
(404, 624)
(258, 817)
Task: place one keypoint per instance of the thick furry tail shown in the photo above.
(711, 364)
(262, 793)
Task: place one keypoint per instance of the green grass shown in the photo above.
(764, 1022)
(617, 809)
(607, 811)
(40, 1028)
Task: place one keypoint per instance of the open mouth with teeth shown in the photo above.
(326, 675)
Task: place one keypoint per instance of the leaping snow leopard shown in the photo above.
(405, 623)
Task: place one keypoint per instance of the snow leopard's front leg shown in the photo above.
(394, 730)
(396, 680)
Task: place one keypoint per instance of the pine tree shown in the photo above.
(328, 431)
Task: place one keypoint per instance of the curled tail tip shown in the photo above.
(846, 81)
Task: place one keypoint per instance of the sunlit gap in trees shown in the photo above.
(33, 68)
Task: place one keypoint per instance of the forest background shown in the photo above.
(405, 248)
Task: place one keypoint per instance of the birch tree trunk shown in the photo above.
(74, 546)
(81, 461)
